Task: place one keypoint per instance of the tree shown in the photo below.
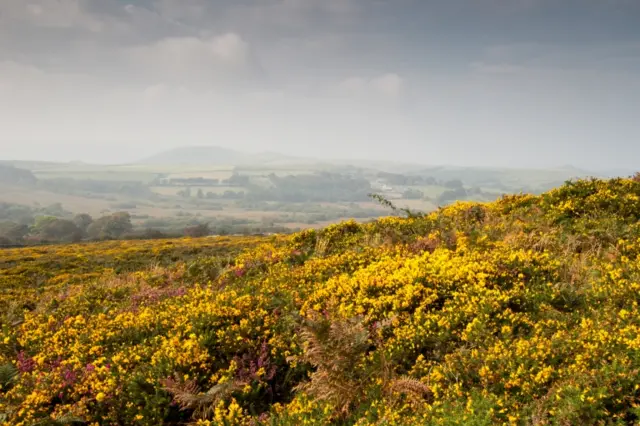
(185, 193)
(200, 194)
(430, 180)
(454, 184)
(58, 230)
(237, 180)
(16, 213)
(452, 195)
(112, 226)
(13, 231)
(41, 222)
(82, 221)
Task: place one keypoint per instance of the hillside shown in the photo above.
(523, 311)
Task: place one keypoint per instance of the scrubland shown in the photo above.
(520, 311)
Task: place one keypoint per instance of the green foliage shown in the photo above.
(83, 187)
(319, 187)
(54, 229)
(110, 227)
(63, 420)
(82, 221)
(8, 375)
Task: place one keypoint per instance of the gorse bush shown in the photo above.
(523, 311)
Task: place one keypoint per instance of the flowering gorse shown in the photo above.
(521, 311)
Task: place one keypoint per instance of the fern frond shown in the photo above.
(63, 420)
(322, 246)
(409, 385)
(189, 396)
(335, 349)
(8, 375)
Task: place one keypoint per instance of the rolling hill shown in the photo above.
(523, 311)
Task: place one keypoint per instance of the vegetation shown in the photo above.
(16, 176)
(331, 187)
(91, 186)
(51, 228)
(265, 193)
(521, 311)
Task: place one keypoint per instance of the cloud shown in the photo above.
(497, 68)
(20, 81)
(195, 60)
(387, 85)
(50, 13)
(182, 10)
(561, 57)
(320, 74)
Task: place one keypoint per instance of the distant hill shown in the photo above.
(212, 155)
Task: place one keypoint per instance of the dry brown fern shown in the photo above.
(338, 351)
(335, 350)
(409, 386)
(322, 246)
(189, 396)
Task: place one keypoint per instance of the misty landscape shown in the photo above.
(275, 116)
(198, 191)
(319, 212)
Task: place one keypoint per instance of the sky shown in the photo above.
(515, 83)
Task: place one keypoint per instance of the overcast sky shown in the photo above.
(466, 82)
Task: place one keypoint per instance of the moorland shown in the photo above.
(520, 311)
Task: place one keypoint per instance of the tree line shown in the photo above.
(48, 229)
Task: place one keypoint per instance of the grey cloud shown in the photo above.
(388, 85)
(215, 60)
(493, 81)
(49, 13)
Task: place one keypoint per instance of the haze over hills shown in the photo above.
(216, 156)
(213, 155)
(204, 156)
